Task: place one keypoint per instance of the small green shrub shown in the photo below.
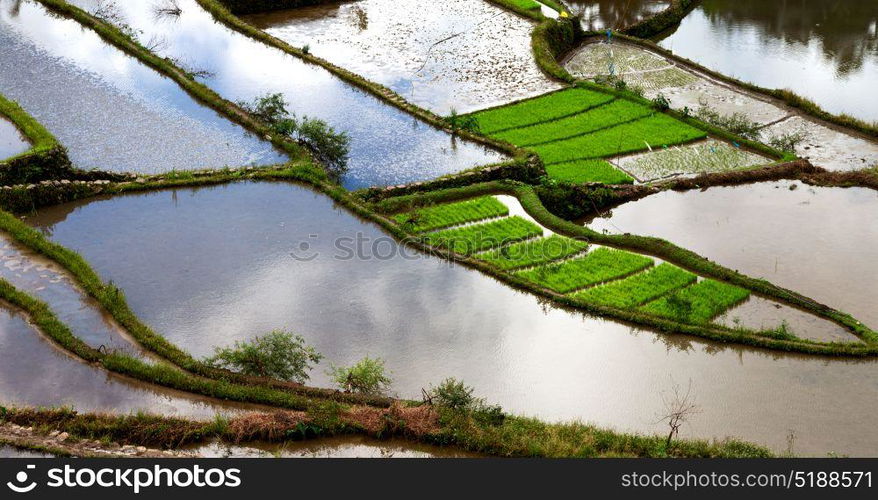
(661, 102)
(367, 376)
(453, 394)
(278, 354)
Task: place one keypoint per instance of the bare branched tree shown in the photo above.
(679, 408)
(167, 8)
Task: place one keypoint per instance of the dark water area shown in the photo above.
(110, 111)
(825, 50)
(12, 142)
(331, 447)
(35, 372)
(615, 14)
(13, 452)
(820, 242)
(206, 267)
(388, 146)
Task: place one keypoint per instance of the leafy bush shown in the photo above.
(456, 396)
(278, 354)
(661, 102)
(453, 394)
(367, 376)
(787, 142)
(329, 147)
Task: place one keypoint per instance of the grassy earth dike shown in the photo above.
(46, 159)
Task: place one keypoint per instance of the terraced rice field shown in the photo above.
(701, 158)
(451, 214)
(574, 129)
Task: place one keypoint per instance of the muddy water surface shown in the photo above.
(224, 269)
(110, 111)
(12, 452)
(820, 242)
(35, 372)
(388, 146)
(11, 140)
(334, 447)
(826, 51)
(461, 54)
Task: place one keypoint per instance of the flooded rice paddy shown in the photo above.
(333, 447)
(789, 233)
(109, 110)
(458, 54)
(239, 260)
(11, 141)
(388, 146)
(35, 372)
(684, 87)
(615, 14)
(826, 51)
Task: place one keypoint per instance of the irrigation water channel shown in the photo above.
(11, 141)
(108, 109)
(826, 51)
(388, 146)
(224, 269)
(616, 14)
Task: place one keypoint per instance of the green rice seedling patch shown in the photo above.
(608, 115)
(706, 157)
(584, 171)
(548, 107)
(640, 288)
(480, 237)
(653, 132)
(698, 303)
(534, 252)
(600, 265)
(451, 214)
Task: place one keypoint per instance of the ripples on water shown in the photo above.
(110, 111)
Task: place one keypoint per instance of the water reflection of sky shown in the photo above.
(826, 51)
(388, 146)
(110, 111)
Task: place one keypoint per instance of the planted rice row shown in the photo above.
(451, 214)
(698, 303)
(640, 288)
(598, 266)
(480, 237)
(610, 114)
(549, 107)
(532, 253)
(584, 171)
(653, 132)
